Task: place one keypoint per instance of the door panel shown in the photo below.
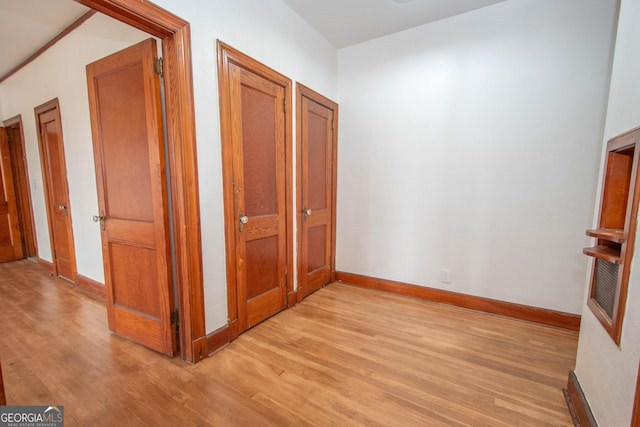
(126, 120)
(54, 171)
(259, 165)
(316, 190)
(21, 183)
(256, 130)
(11, 247)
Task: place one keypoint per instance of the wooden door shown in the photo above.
(126, 121)
(54, 171)
(317, 136)
(10, 237)
(255, 152)
(21, 182)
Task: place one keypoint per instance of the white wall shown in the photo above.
(273, 34)
(473, 144)
(606, 372)
(60, 72)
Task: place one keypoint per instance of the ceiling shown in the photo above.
(27, 25)
(347, 22)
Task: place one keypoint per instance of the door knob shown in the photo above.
(61, 207)
(99, 219)
(307, 212)
(243, 220)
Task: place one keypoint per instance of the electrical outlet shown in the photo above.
(445, 276)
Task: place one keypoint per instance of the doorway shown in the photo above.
(256, 153)
(317, 136)
(54, 176)
(181, 156)
(15, 137)
(126, 120)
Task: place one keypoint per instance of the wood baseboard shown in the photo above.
(292, 298)
(46, 265)
(502, 308)
(217, 340)
(577, 403)
(90, 285)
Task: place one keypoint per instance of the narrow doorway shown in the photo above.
(256, 147)
(317, 119)
(54, 174)
(15, 138)
(129, 152)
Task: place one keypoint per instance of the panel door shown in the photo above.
(258, 144)
(11, 247)
(21, 182)
(126, 121)
(55, 177)
(316, 199)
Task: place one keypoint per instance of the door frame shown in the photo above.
(175, 34)
(304, 91)
(21, 173)
(54, 104)
(226, 56)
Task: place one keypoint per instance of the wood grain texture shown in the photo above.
(3, 398)
(620, 196)
(316, 183)
(90, 285)
(56, 189)
(635, 420)
(23, 188)
(343, 356)
(241, 78)
(502, 308)
(182, 155)
(577, 403)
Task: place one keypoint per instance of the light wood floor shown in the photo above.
(344, 356)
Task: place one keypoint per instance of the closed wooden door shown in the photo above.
(317, 118)
(54, 170)
(126, 122)
(255, 154)
(11, 247)
(21, 182)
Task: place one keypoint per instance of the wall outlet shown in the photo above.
(445, 276)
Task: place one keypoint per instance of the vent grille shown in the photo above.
(605, 283)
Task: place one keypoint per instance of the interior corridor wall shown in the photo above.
(270, 32)
(472, 144)
(607, 373)
(267, 30)
(60, 73)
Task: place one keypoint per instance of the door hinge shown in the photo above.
(285, 104)
(175, 318)
(286, 281)
(332, 125)
(158, 66)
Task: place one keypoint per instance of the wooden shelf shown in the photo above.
(611, 234)
(604, 252)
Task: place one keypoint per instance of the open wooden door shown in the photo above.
(10, 238)
(126, 121)
(317, 137)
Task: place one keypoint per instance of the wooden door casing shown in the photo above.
(126, 122)
(21, 180)
(11, 247)
(317, 133)
(256, 148)
(54, 171)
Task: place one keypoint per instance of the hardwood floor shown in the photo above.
(344, 356)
